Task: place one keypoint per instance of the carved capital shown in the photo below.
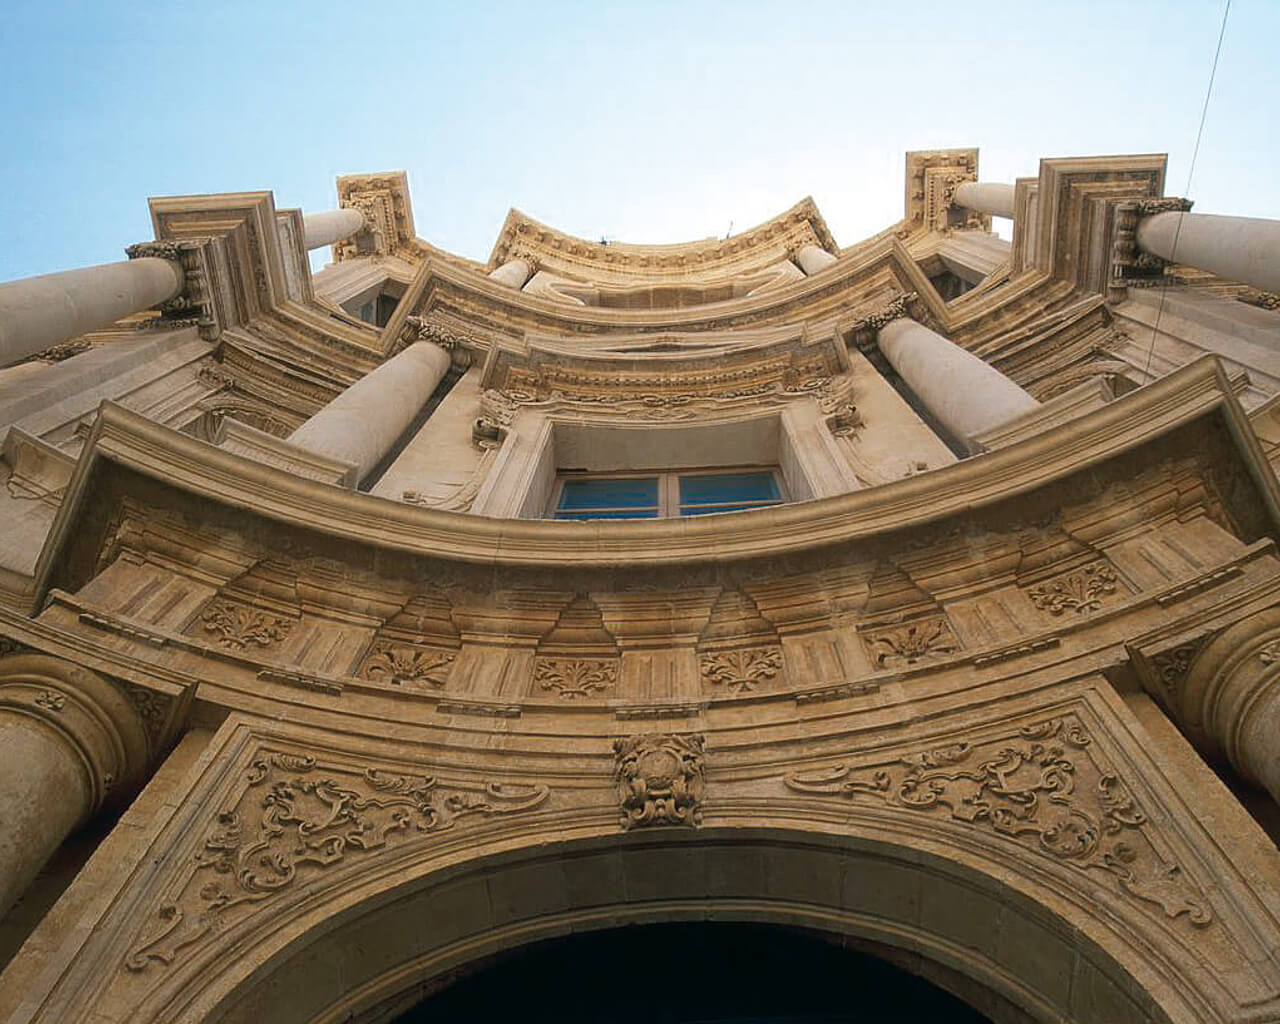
(866, 327)
(194, 305)
(659, 779)
(96, 718)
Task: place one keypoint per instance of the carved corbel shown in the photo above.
(194, 305)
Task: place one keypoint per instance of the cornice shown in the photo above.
(555, 249)
(126, 439)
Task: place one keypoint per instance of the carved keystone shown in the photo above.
(659, 779)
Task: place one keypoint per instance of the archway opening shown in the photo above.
(691, 973)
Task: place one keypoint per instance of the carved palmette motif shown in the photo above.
(238, 626)
(741, 669)
(570, 678)
(407, 665)
(1039, 788)
(1081, 590)
(659, 779)
(295, 819)
(910, 642)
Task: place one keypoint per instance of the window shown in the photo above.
(660, 495)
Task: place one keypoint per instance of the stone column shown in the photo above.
(329, 227)
(812, 259)
(1245, 249)
(1229, 702)
(362, 423)
(38, 312)
(67, 737)
(514, 272)
(995, 199)
(964, 393)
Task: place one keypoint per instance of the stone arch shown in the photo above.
(983, 933)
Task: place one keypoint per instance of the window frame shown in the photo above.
(669, 505)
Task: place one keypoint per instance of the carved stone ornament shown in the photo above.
(864, 329)
(417, 328)
(909, 642)
(407, 665)
(1038, 787)
(1164, 204)
(1081, 590)
(659, 779)
(238, 626)
(194, 304)
(295, 819)
(571, 678)
(741, 669)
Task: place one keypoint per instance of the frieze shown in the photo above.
(659, 778)
(1039, 787)
(297, 817)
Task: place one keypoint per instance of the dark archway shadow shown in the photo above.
(691, 973)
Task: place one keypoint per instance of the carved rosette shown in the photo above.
(1040, 787)
(407, 665)
(571, 678)
(238, 627)
(909, 642)
(659, 779)
(296, 820)
(741, 669)
(1081, 590)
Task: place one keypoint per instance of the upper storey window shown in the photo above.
(661, 495)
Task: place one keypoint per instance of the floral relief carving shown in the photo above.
(406, 665)
(1041, 788)
(741, 669)
(659, 779)
(571, 678)
(909, 642)
(51, 701)
(1080, 590)
(238, 626)
(1269, 653)
(294, 819)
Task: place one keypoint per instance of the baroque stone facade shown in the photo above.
(922, 593)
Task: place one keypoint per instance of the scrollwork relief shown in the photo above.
(659, 779)
(1040, 787)
(296, 818)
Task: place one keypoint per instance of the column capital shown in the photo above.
(193, 306)
(90, 715)
(863, 331)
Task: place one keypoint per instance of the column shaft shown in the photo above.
(329, 227)
(1245, 249)
(995, 199)
(362, 423)
(37, 312)
(43, 796)
(514, 273)
(965, 394)
(813, 259)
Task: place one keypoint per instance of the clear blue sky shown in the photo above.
(646, 122)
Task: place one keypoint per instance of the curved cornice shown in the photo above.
(129, 440)
(556, 250)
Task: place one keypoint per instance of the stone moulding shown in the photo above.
(130, 440)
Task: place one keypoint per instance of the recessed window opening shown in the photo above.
(659, 495)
